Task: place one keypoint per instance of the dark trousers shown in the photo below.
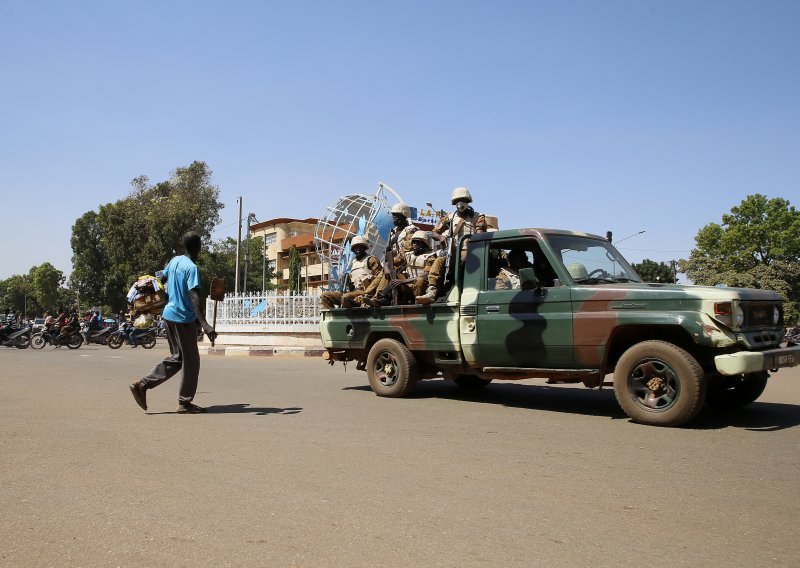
(182, 339)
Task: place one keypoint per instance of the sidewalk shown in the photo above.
(259, 351)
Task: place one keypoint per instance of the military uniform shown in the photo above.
(507, 279)
(362, 275)
(400, 247)
(418, 266)
(455, 225)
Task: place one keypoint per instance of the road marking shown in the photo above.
(104, 356)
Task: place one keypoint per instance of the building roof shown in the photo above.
(282, 221)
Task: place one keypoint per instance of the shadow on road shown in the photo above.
(757, 417)
(247, 409)
(244, 408)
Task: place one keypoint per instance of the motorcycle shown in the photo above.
(147, 338)
(53, 337)
(792, 336)
(19, 337)
(99, 337)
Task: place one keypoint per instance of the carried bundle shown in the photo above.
(148, 295)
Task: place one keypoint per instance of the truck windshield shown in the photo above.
(592, 261)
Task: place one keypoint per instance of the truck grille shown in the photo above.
(758, 315)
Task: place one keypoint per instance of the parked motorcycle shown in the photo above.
(53, 337)
(146, 339)
(98, 336)
(792, 336)
(19, 337)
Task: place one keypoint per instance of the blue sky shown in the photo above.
(594, 116)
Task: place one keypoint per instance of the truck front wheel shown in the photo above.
(659, 383)
(738, 391)
(391, 368)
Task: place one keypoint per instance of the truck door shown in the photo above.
(522, 328)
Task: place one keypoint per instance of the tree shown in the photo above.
(295, 282)
(15, 290)
(89, 261)
(46, 282)
(220, 262)
(757, 246)
(652, 271)
(139, 234)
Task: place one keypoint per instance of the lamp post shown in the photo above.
(238, 248)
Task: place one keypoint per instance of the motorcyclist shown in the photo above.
(7, 328)
(132, 331)
(69, 325)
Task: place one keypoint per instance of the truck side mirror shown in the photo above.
(527, 279)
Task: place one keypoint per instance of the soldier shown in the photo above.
(463, 221)
(508, 277)
(364, 269)
(420, 263)
(399, 245)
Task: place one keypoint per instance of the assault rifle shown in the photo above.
(388, 263)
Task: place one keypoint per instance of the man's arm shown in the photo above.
(200, 314)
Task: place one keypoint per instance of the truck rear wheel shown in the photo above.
(738, 392)
(391, 368)
(659, 383)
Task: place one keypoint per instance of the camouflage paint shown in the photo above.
(567, 327)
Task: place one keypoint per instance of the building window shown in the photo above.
(270, 239)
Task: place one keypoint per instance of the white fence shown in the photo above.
(266, 312)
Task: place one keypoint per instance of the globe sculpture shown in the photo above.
(348, 216)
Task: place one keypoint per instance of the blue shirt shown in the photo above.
(182, 275)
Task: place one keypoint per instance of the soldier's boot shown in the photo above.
(428, 297)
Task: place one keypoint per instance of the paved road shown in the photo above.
(299, 464)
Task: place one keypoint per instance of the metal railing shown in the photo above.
(266, 311)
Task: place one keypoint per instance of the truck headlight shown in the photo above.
(739, 315)
(776, 315)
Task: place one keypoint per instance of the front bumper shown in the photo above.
(754, 361)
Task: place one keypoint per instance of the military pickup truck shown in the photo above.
(572, 311)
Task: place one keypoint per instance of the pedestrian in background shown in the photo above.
(182, 313)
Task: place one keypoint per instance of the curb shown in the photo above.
(242, 351)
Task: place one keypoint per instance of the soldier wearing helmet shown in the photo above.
(399, 244)
(423, 268)
(362, 271)
(464, 220)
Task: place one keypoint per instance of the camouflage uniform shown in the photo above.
(461, 225)
(507, 279)
(362, 274)
(400, 247)
(418, 266)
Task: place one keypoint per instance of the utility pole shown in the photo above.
(238, 248)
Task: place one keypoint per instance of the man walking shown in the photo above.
(181, 313)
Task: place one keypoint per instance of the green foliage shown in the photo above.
(295, 282)
(14, 290)
(652, 271)
(46, 282)
(756, 246)
(220, 262)
(139, 234)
